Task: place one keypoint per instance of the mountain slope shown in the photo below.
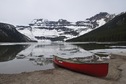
(114, 30)
(62, 30)
(8, 33)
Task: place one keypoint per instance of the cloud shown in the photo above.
(23, 11)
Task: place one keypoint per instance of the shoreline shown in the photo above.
(116, 75)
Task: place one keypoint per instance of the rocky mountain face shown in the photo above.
(100, 19)
(113, 31)
(8, 33)
(61, 30)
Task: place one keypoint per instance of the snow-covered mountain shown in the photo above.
(112, 31)
(43, 29)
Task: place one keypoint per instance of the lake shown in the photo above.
(27, 57)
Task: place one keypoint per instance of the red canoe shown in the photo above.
(94, 69)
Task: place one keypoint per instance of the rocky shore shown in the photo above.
(116, 75)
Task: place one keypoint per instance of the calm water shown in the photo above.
(26, 57)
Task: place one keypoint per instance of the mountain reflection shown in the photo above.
(9, 52)
(42, 54)
(39, 56)
(40, 61)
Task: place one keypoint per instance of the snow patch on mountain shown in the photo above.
(84, 32)
(45, 32)
(101, 22)
(28, 33)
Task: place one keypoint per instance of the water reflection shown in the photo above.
(8, 52)
(38, 56)
(101, 45)
(41, 61)
(42, 54)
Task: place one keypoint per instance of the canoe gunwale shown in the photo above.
(78, 62)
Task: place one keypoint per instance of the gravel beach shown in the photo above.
(116, 75)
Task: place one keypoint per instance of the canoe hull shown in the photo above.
(94, 69)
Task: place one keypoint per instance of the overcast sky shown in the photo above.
(22, 12)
